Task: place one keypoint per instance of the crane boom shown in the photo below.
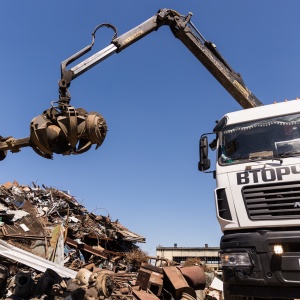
(187, 33)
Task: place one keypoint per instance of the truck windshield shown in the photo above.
(272, 138)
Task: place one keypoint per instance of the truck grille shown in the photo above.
(276, 200)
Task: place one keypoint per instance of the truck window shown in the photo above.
(260, 139)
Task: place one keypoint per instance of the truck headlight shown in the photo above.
(238, 259)
(278, 249)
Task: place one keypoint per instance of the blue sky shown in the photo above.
(156, 97)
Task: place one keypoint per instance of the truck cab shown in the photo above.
(257, 199)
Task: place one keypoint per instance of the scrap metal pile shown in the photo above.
(51, 247)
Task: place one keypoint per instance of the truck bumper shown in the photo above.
(271, 274)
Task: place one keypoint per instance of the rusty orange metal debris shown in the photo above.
(51, 246)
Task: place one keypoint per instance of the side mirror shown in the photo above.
(204, 163)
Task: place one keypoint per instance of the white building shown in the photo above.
(208, 255)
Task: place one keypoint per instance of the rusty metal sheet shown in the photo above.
(194, 276)
(175, 283)
(152, 268)
(86, 248)
(143, 278)
(156, 283)
(33, 223)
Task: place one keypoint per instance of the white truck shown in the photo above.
(257, 162)
(258, 199)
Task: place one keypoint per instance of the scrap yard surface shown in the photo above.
(51, 247)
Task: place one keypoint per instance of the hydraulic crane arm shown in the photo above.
(65, 130)
(186, 32)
